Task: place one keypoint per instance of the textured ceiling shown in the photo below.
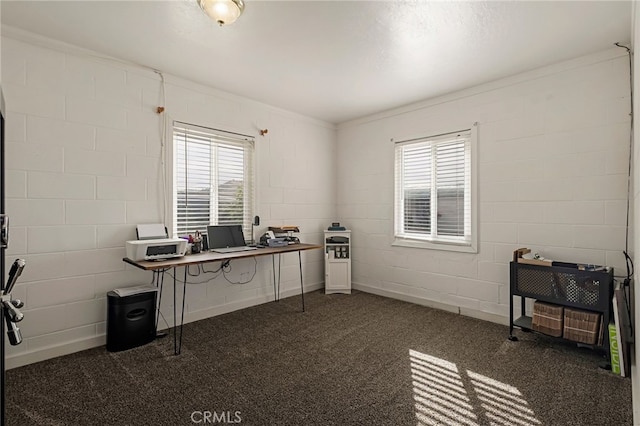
(334, 60)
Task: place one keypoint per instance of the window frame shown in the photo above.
(470, 246)
(249, 171)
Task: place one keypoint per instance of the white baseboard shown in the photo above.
(26, 358)
(473, 313)
(241, 304)
(67, 348)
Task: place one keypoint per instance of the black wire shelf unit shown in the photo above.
(564, 286)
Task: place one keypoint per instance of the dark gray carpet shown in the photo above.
(353, 359)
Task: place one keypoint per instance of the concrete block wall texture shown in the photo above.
(83, 143)
(553, 156)
(83, 150)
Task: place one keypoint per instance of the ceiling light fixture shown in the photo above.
(222, 11)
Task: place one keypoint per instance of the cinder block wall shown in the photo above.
(553, 150)
(83, 168)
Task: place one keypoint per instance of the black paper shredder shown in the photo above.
(130, 320)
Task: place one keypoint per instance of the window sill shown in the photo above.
(445, 246)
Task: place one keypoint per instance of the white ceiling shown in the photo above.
(334, 60)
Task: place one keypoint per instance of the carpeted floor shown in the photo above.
(353, 359)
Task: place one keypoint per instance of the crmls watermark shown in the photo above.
(212, 417)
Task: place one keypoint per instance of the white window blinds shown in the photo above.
(213, 178)
(433, 188)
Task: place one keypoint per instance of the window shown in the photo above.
(213, 179)
(433, 192)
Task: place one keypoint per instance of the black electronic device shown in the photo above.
(338, 240)
(222, 236)
(256, 222)
(335, 226)
(227, 239)
(270, 240)
(284, 233)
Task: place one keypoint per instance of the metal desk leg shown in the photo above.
(175, 316)
(273, 264)
(177, 344)
(279, 272)
(159, 279)
(184, 297)
(276, 281)
(301, 286)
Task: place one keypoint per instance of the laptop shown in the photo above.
(227, 239)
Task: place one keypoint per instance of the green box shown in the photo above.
(613, 345)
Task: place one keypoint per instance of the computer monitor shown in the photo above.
(221, 236)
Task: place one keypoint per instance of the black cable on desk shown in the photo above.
(201, 270)
(214, 272)
(255, 269)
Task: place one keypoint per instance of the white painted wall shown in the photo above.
(83, 167)
(553, 153)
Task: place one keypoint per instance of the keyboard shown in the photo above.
(233, 249)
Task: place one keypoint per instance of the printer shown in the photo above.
(156, 249)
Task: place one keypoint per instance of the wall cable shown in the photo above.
(626, 286)
(628, 259)
(163, 146)
(255, 269)
(225, 268)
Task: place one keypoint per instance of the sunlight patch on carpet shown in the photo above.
(441, 396)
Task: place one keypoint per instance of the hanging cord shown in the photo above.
(223, 269)
(626, 286)
(199, 271)
(163, 146)
(628, 260)
(227, 270)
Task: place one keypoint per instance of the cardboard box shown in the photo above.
(581, 326)
(547, 319)
(517, 257)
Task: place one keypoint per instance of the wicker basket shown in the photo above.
(581, 326)
(547, 319)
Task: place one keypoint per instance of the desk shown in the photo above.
(159, 268)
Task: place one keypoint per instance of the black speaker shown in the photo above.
(256, 221)
(130, 320)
